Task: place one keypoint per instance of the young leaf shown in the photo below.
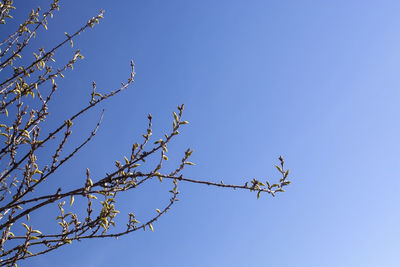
(279, 168)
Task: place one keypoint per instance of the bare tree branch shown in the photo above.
(22, 138)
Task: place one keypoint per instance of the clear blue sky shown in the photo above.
(314, 81)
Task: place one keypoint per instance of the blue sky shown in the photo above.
(314, 81)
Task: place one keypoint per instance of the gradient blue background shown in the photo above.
(314, 81)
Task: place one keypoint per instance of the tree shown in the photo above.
(24, 111)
